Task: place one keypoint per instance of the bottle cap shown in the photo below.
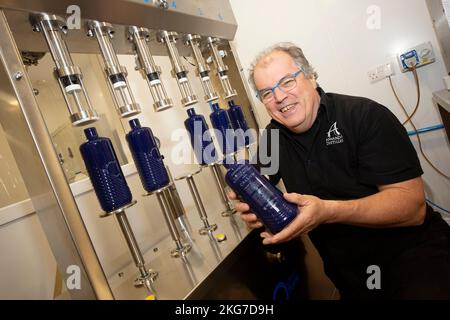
(214, 106)
(134, 123)
(191, 112)
(91, 133)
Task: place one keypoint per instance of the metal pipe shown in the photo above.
(220, 184)
(115, 73)
(222, 69)
(69, 76)
(200, 208)
(149, 70)
(202, 70)
(132, 243)
(179, 71)
(163, 196)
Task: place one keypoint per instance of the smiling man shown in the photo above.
(351, 169)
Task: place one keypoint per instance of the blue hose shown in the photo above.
(426, 129)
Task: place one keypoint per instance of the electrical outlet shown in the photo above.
(417, 56)
(380, 72)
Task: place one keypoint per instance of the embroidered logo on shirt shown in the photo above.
(334, 136)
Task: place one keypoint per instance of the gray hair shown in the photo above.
(292, 50)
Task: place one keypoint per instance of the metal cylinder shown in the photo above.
(178, 205)
(70, 78)
(132, 243)
(202, 68)
(220, 182)
(179, 71)
(147, 276)
(222, 69)
(207, 227)
(164, 201)
(115, 73)
(149, 70)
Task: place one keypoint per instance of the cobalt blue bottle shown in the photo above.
(201, 140)
(265, 200)
(147, 158)
(221, 121)
(104, 170)
(238, 122)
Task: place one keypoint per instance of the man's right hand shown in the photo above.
(243, 208)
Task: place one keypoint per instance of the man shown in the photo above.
(350, 167)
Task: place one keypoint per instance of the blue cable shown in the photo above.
(437, 206)
(426, 129)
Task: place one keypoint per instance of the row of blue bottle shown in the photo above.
(238, 122)
(222, 122)
(264, 199)
(106, 174)
(227, 122)
(104, 169)
(201, 140)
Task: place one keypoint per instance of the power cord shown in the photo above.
(416, 78)
(409, 118)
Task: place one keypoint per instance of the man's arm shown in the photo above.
(395, 205)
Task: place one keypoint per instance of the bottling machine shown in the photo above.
(42, 38)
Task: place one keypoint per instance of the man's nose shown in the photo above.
(279, 94)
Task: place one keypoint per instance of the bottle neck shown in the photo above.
(191, 112)
(135, 124)
(215, 107)
(91, 133)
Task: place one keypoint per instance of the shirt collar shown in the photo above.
(326, 104)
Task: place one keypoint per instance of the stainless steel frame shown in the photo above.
(45, 181)
(31, 143)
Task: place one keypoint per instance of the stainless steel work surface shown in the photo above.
(178, 277)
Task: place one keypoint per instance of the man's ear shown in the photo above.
(313, 82)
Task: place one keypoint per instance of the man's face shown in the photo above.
(295, 109)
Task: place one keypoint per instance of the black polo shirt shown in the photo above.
(354, 145)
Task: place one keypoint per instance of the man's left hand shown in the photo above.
(312, 212)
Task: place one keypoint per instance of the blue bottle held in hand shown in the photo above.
(264, 199)
(147, 158)
(238, 122)
(221, 121)
(201, 140)
(104, 170)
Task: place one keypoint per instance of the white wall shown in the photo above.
(337, 42)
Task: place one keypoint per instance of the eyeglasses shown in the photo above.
(286, 84)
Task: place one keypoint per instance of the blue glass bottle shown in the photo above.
(238, 122)
(104, 170)
(221, 121)
(201, 140)
(147, 158)
(265, 200)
